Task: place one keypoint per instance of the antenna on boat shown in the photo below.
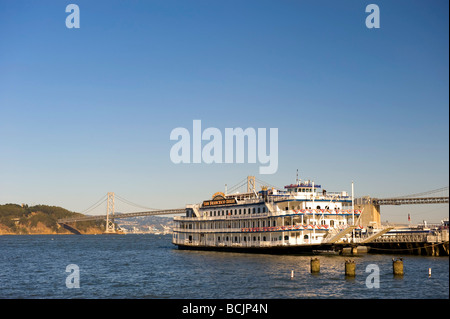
(297, 177)
(353, 213)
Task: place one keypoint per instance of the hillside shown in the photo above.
(41, 219)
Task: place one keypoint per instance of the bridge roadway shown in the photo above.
(409, 201)
(126, 215)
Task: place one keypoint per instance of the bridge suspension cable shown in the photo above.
(94, 206)
(244, 183)
(237, 186)
(434, 191)
(126, 201)
(266, 184)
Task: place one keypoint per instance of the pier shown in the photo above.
(432, 242)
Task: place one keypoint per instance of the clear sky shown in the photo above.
(88, 111)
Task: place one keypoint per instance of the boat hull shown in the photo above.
(279, 250)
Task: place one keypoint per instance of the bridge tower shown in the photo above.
(251, 186)
(370, 215)
(110, 227)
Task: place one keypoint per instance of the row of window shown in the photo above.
(237, 239)
(248, 224)
(229, 224)
(240, 211)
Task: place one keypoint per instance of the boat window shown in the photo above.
(254, 210)
(259, 210)
(264, 209)
(239, 211)
(244, 210)
(305, 237)
(318, 206)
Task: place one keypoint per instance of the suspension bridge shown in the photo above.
(247, 186)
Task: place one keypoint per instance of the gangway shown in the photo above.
(340, 234)
(376, 235)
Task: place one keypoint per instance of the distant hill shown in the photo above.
(41, 219)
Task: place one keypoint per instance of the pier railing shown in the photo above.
(425, 237)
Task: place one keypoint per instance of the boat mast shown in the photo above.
(313, 209)
(353, 215)
(353, 211)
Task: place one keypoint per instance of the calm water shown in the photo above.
(149, 266)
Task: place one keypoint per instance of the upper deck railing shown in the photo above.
(279, 213)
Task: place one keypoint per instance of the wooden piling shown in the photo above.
(350, 268)
(315, 265)
(397, 266)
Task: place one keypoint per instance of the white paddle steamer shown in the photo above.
(300, 218)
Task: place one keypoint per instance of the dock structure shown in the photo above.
(425, 243)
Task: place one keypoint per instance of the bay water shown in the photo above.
(150, 266)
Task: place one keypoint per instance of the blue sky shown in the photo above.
(87, 111)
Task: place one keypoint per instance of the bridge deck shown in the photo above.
(127, 215)
(409, 201)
